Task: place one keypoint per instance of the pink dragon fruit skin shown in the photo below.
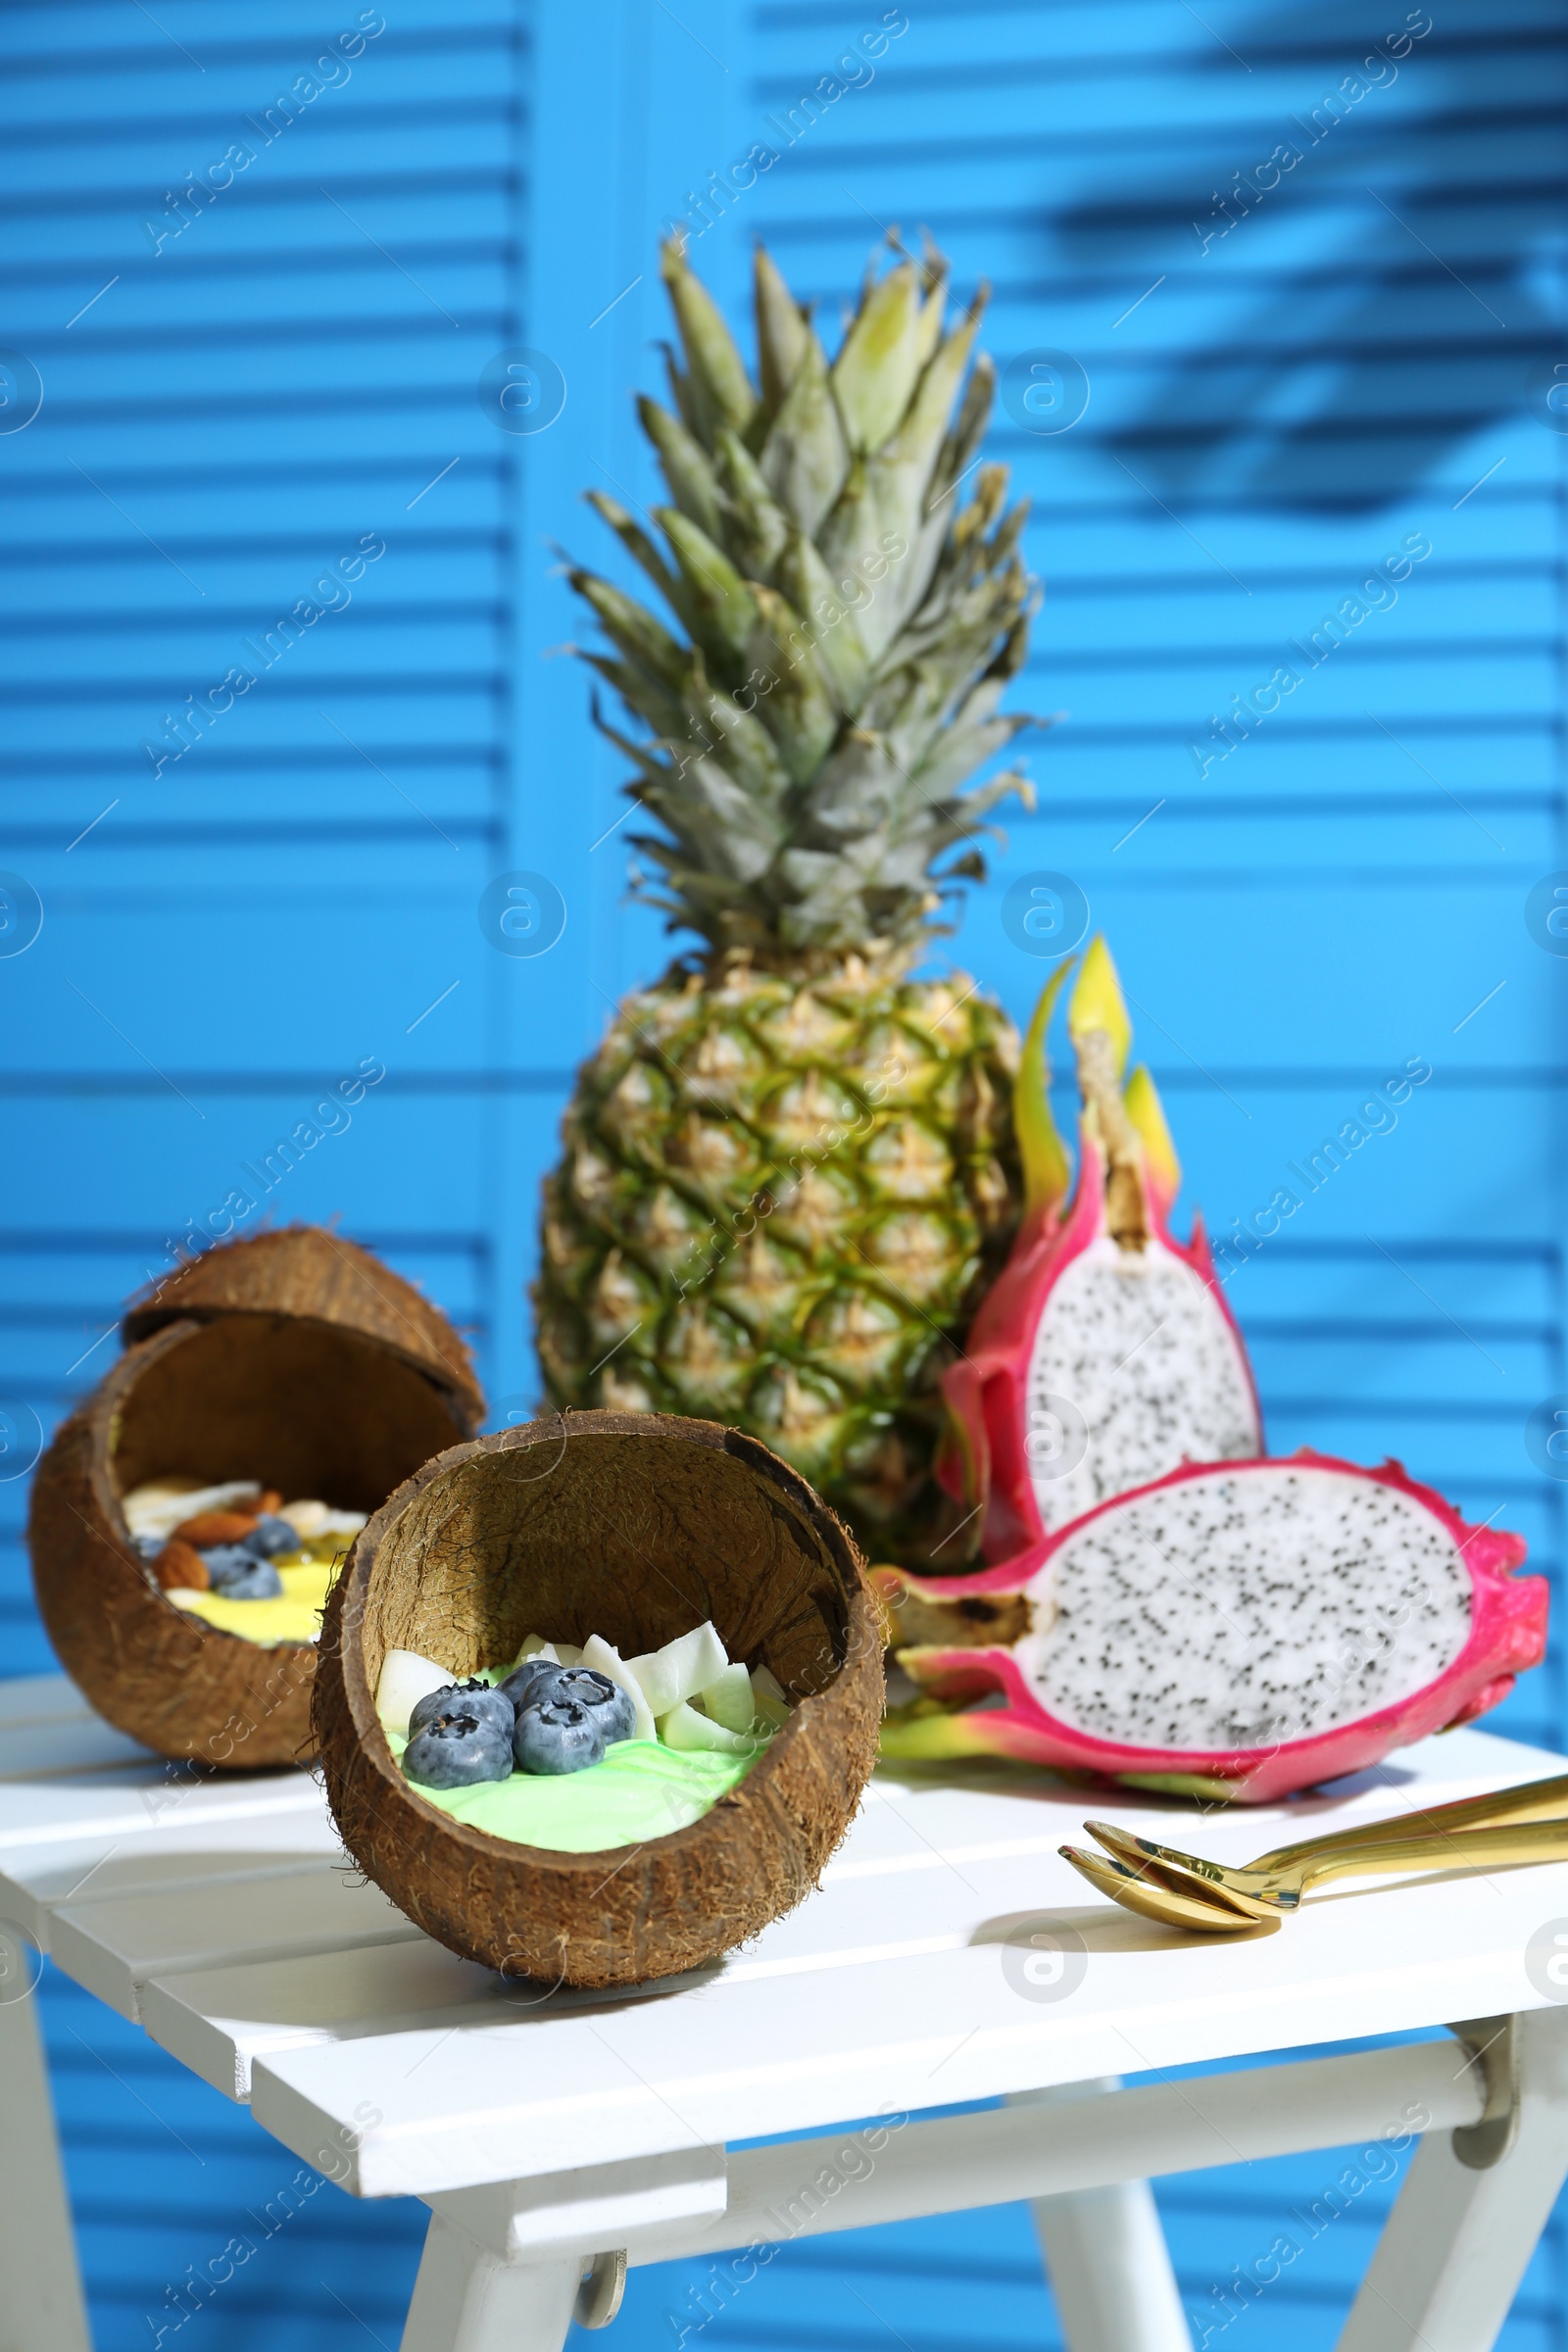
(1507, 1632)
(988, 1390)
(1188, 1388)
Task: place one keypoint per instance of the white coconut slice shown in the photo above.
(605, 1659)
(147, 1501)
(684, 1728)
(338, 1523)
(406, 1678)
(728, 1701)
(158, 1508)
(677, 1672)
(769, 1697)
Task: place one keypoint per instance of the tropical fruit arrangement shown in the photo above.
(812, 1221)
(816, 1194)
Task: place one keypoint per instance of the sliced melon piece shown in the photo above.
(683, 1667)
(603, 1658)
(684, 1728)
(406, 1678)
(769, 1697)
(728, 1701)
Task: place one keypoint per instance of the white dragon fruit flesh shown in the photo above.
(1237, 1628)
(1105, 1355)
(1139, 1345)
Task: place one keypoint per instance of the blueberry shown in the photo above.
(225, 1561)
(541, 1679)
(238, 1575)
(609, 1706)
(271, 1535)
(522, 1680)
(262, 1583)
(466, 1698)
(456, 1749)
(555, 1735)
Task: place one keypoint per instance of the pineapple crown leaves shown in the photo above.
(848, 626)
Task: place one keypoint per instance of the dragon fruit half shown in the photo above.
(1105, 1355)
(1235, 1630)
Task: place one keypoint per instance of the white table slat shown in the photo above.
(38, 1881)
(47, 1813)
(217, 2020)
(927, 1868)
(436, 2108)
(561, 2122)
(42, 1698)
(31, 1752)
(113, 1947)
(900, 2022)
(202, 1907)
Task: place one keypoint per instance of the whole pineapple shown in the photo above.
(790, 1170)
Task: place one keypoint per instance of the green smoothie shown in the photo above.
(639, 1789)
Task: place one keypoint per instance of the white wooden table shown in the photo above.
(545, 2130)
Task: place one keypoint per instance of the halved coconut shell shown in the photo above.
(296, 1358)
(636, 1527)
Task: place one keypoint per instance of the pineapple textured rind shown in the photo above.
(775, 1206)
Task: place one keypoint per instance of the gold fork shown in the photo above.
(1184, 1899)
(1277, 1881)
(1141, 1891)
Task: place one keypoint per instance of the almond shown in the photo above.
(215, 1527)
(270, 1503)
(180, 1566)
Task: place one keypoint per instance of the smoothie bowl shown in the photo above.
(663, 1686)
(189, 1516)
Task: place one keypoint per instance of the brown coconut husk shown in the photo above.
(635, 1527)
(312, 1276)
(296, 1358)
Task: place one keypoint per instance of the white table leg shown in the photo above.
(466, 2299)
(41, 2308)
(1458, 2243)
(1106, 2254)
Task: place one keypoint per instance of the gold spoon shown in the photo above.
(1141, 1891)
(1277, 1881)
(1184, 1898)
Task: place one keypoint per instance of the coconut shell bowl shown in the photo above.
(635, 1527)
(297, 1360)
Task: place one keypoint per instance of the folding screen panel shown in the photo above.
(319, 326)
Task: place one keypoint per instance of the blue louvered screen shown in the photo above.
(1302, 559)
(245, 395)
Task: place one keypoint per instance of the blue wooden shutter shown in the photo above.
(1292, 368)
(234, 402)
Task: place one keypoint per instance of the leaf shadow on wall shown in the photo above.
(1387, 295)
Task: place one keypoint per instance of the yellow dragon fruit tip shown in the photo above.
(1097, 1002)
(1046, 1169)
(1140, 1099)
